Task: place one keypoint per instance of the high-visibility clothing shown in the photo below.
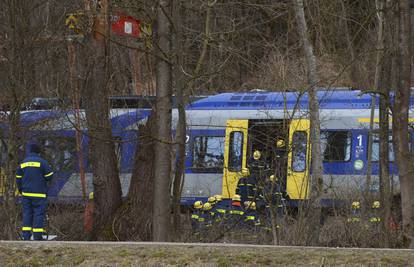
(251, 219)
(205, 219)
(219, 212)
(247, 189)
(32, 176)
(235, 214)
(33, 217)
(355, 212)
(195, 217)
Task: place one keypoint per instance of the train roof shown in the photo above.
(328, 99)
(115, 102)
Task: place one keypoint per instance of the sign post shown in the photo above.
(124, 25)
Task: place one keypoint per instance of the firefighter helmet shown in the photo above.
(280, 143)
(198, 204)
(250, 205)
(218, 198)
(356, 205)
(273, 178)
(207, 206)
(236, 198)
(257, 155)
(211, 200)
(376, 204)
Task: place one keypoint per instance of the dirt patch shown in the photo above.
(53, 254)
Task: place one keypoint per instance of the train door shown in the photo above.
(297, 182)
(234, 155)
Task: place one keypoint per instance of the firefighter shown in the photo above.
(219, 210)
(236, 211)
(32, 177)
(271, 195)
(205, 219)
(375, 213)
(355, 212)
(251, 218)
(198, 206)
(247, 186)
(272, 203)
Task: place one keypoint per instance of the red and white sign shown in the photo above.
(125, 25)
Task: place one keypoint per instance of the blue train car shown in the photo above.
(223, 132)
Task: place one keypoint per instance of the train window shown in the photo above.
(208, 153)
(60, 152)
(236, 151)
(336, 145)
(375, 148)
(299, 149)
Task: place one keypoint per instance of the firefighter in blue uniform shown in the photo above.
(247, 186)
(32, 176)
(355, 214)
(206, 217)
(219, 210)
(251, 218)
(236, 212)
(198, 206)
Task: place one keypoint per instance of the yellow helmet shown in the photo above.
(211, 200)
(273, 178)
(356, 205)
(207, 206)
(91, 196)
(280, 143)
(257, 155)
(236, 198)
(245, 172)
(376, 204)
(251, 205)
(218, 198)
(198, 204)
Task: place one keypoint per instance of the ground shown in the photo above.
(147, 254)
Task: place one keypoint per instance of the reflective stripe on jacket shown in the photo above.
(32, 176)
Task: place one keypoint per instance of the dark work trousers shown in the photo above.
(34, 210)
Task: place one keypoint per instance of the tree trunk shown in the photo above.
(401, 142)
(382, 83)
(317, 171)
(182, 88)
(162, 164)
(12, 162)
(19, 86)
(181, 128)
(107, 187)
(134, 218)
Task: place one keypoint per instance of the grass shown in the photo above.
(19, 254)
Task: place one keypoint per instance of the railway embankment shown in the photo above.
(177, 254)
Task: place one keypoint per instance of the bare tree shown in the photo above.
(317, 171)
(107, 187)
(401, 106)
(382, 85)
(17, 85)
(162, 164)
